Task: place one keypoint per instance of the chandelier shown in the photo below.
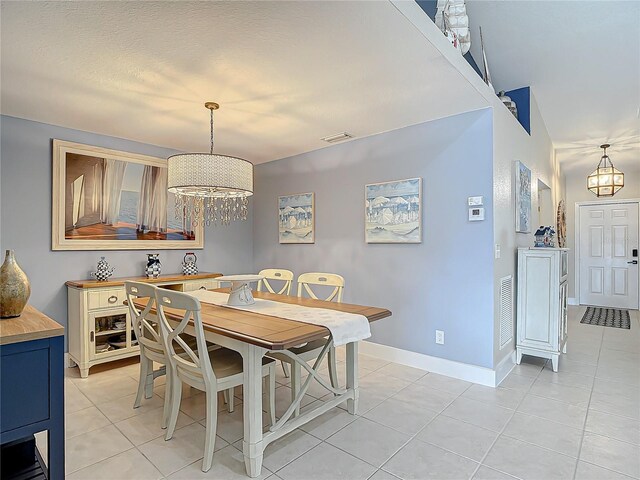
(208, 187)
(606, 180)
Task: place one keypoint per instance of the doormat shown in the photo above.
(607, 317)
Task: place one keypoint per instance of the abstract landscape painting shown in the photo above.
(523, 198)
(393, 211)
(296, 217)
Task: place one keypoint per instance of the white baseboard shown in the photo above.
(442, 366)
(573, 301)
(504, 367)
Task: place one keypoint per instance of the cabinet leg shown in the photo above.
(518, 356)
(564, 348)
(84, 372)
(554, 362)
(71, 363)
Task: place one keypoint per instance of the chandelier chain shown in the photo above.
(211, 150)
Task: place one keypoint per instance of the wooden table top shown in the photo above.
(272, 333)
(31, 325)
(118, 282)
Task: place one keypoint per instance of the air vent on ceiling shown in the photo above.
(506, 310)
(339, 137)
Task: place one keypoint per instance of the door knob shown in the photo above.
(633, 262)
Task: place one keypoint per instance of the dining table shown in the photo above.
(253, 335)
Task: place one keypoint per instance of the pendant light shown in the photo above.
(208, 187)
(606, 180)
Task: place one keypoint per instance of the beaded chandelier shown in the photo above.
(208, 187)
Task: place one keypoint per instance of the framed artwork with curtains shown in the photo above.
(111, 200)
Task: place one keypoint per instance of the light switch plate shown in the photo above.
(476, 214)
(475, 201)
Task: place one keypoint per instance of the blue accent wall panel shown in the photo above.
(522, 97)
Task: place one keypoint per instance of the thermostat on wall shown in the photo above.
(474, 201)
(476, 214)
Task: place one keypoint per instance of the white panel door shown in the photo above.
(608, 238)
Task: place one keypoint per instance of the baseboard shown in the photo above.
(504, 367)
(442, 366)
(573, 301)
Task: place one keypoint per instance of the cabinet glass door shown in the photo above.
(111, 332)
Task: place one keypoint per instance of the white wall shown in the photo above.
(577, 192)
(511, 142)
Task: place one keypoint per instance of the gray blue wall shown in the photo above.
(25, 222)
(446, 282)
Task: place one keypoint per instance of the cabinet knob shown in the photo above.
(112, 299)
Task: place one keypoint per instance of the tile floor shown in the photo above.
(582, 423)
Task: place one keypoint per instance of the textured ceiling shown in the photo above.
(285, 73)
(582, 60)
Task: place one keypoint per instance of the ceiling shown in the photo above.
(286, 74)
(582, 60)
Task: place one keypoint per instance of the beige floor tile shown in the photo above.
(442, 382)
(384, 384)
(562, 393)
(518, 382)
(545, 433)
(369, 441)
(382, 475)
(228, 464)
(367, 400)
(615, 404)
(486, 473)
(528, 462)
(458, 437)
(588, 471)
(144, 428)
(568, 379)
(328, 423)
(565, 413)
(480, 414)
(326, 462)
(84, 421)
(630, 376)
(286, 449)
(403, 372)
(611, 454)
(614, 426)
(567, 366)
(92, 447)
(406, 417)
(422, 461)
(107, 389)
(503, 397)
(426, 397)
(130, 465)
(612, 387)
(74, 399)
(370, 363)
(122, 408)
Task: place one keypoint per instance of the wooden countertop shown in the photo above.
(118, 282)
(272, 333)
(31, 325)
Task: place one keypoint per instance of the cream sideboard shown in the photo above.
(542, 303)
(99, 326)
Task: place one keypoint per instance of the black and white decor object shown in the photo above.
(154, 267)
(103, 270)
(189, 266)
(607, 317)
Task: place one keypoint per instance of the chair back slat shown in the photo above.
(276, 274)
(307, 280)
(190, 365)
(147, 331)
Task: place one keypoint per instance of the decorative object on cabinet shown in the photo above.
(523, 198)
(561, 224)
(189, 266)
(510, 104)
(393, 211)
(607, 317)
(97, 313)
(541, 325)
(15, 288)
(209, 187)
(296, 218)
(100, 193)
(451, 17)
(606, 180)
(103, 270)
(153, 267)
(240, 294)
(544, 237)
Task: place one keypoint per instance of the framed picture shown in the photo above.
(296, 218)
(110, 200)
(393, 211)
(523, 198)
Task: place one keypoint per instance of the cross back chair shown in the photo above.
(276, 274)
(217, 370)
(312, 350)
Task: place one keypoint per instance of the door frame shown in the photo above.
(576, 239)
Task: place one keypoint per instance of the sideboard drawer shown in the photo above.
(200, 284)
(105, 298)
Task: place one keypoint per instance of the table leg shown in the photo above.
(252, 445)
(352, 376)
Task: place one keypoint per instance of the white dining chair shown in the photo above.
(272, 274)
(219, 370)
(312, 350)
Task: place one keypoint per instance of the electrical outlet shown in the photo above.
(440, 337)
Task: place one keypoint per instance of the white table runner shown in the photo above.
(344, 327)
